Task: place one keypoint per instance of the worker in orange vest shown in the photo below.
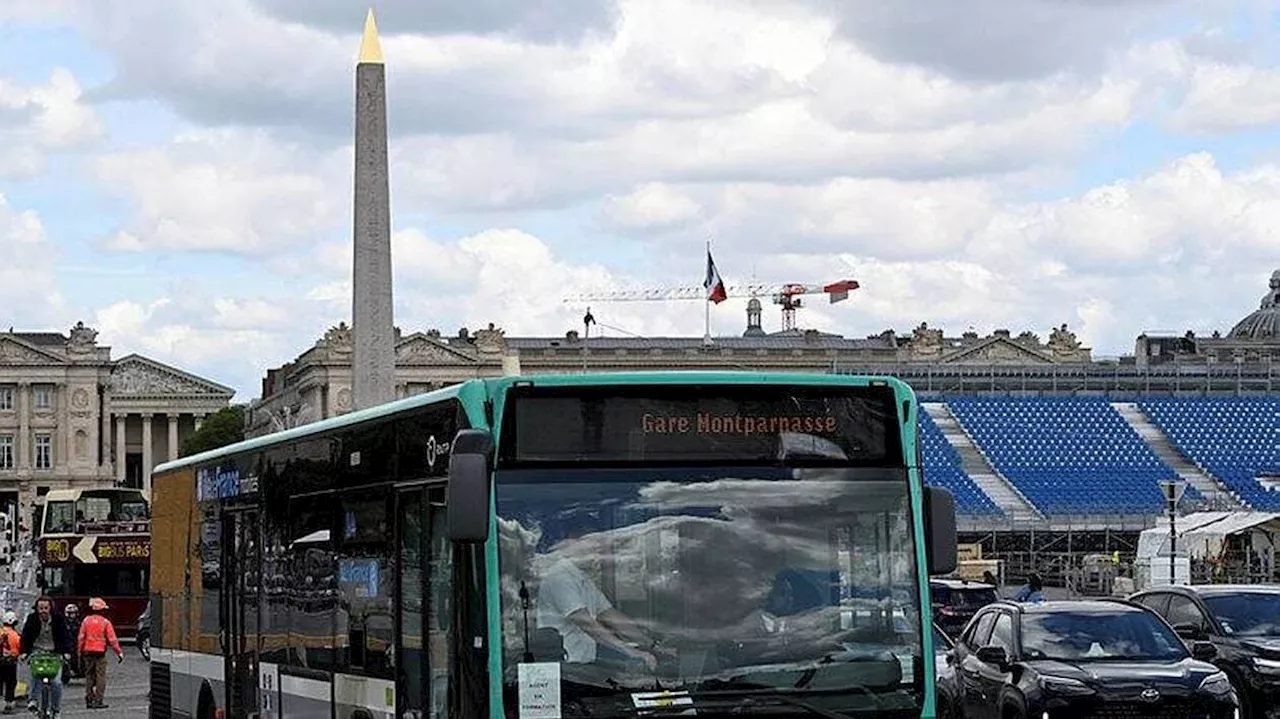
(10, 648)
(96, 634)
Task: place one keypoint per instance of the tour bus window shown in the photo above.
(313, 597)
(366, 582)
(131, 510)
(61, 518)
(56, 580)
(94, 509)
(107, 580)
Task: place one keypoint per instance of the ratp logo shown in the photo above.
(436, 450)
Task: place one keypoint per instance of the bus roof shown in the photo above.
(71, 495)
(498, 385)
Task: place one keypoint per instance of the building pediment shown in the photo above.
(137, 376)
(996, 350)
(419, 349)
(14, 351)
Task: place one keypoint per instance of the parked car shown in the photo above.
(1094, 658)
(955, 601)
(1243, 624)
(947, 697)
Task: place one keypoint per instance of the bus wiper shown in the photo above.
(788, 699)
(754, 693)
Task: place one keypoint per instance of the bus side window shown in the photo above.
(312, 601)
(365, 579)
(277, 586)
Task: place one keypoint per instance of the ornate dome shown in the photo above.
(1264, 324)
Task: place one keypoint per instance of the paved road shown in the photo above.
(127, 686)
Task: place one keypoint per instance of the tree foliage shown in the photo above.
(224, 427)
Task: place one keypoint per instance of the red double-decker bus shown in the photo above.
(97, 543)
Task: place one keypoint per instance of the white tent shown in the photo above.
(1202, 535)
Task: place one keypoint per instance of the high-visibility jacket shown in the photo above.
(96, 632)
(10, 642)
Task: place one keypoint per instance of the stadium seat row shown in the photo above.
(1078, 455)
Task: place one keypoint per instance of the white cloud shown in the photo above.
(983, 40)
(559, 20)
(38, 119)
(33, 10)
(222, 191)
(652, 206)
(229, 345)
(812, 141)
(1223, 97)
(27, 283)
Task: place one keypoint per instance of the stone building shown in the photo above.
(317, 384)
(71, 416)
(1254, 339)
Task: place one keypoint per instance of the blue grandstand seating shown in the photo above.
(1235, 439)
(942, 468)
(1068, 455)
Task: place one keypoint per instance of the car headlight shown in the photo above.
(1063, 685)
(1266, 666)
(1216, 683)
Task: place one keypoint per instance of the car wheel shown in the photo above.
(1242, 694)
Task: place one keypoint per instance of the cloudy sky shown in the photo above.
(178, 174)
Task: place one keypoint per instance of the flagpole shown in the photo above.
(706, 302)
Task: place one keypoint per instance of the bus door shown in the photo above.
(424, 588)
(242, 560)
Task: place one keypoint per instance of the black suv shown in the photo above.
(955, 601)
(1094, 659)
(1242, 622)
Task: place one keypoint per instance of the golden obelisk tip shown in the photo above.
(370, 45)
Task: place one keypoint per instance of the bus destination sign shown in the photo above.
(95, 550)
(581, 426)
(707, 423)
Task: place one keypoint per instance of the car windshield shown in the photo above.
(1249, 614)
(1094, 635)
(761, 578)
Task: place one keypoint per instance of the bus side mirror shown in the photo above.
(467, 503)
(940, 530)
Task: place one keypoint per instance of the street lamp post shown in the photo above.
(1173, 490)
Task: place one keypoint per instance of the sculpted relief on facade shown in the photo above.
(137, 378)
(15, 353)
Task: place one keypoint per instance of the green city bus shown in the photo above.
(537, 547)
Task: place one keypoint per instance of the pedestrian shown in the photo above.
(1030, 592)
(45, 632)
(96, 634)
(73, 668)
(10, 648)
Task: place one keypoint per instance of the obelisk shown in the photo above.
(373, 362)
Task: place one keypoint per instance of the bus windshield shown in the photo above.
(790, 564)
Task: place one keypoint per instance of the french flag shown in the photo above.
(715, 286)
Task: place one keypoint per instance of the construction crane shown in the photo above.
(787, 296)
